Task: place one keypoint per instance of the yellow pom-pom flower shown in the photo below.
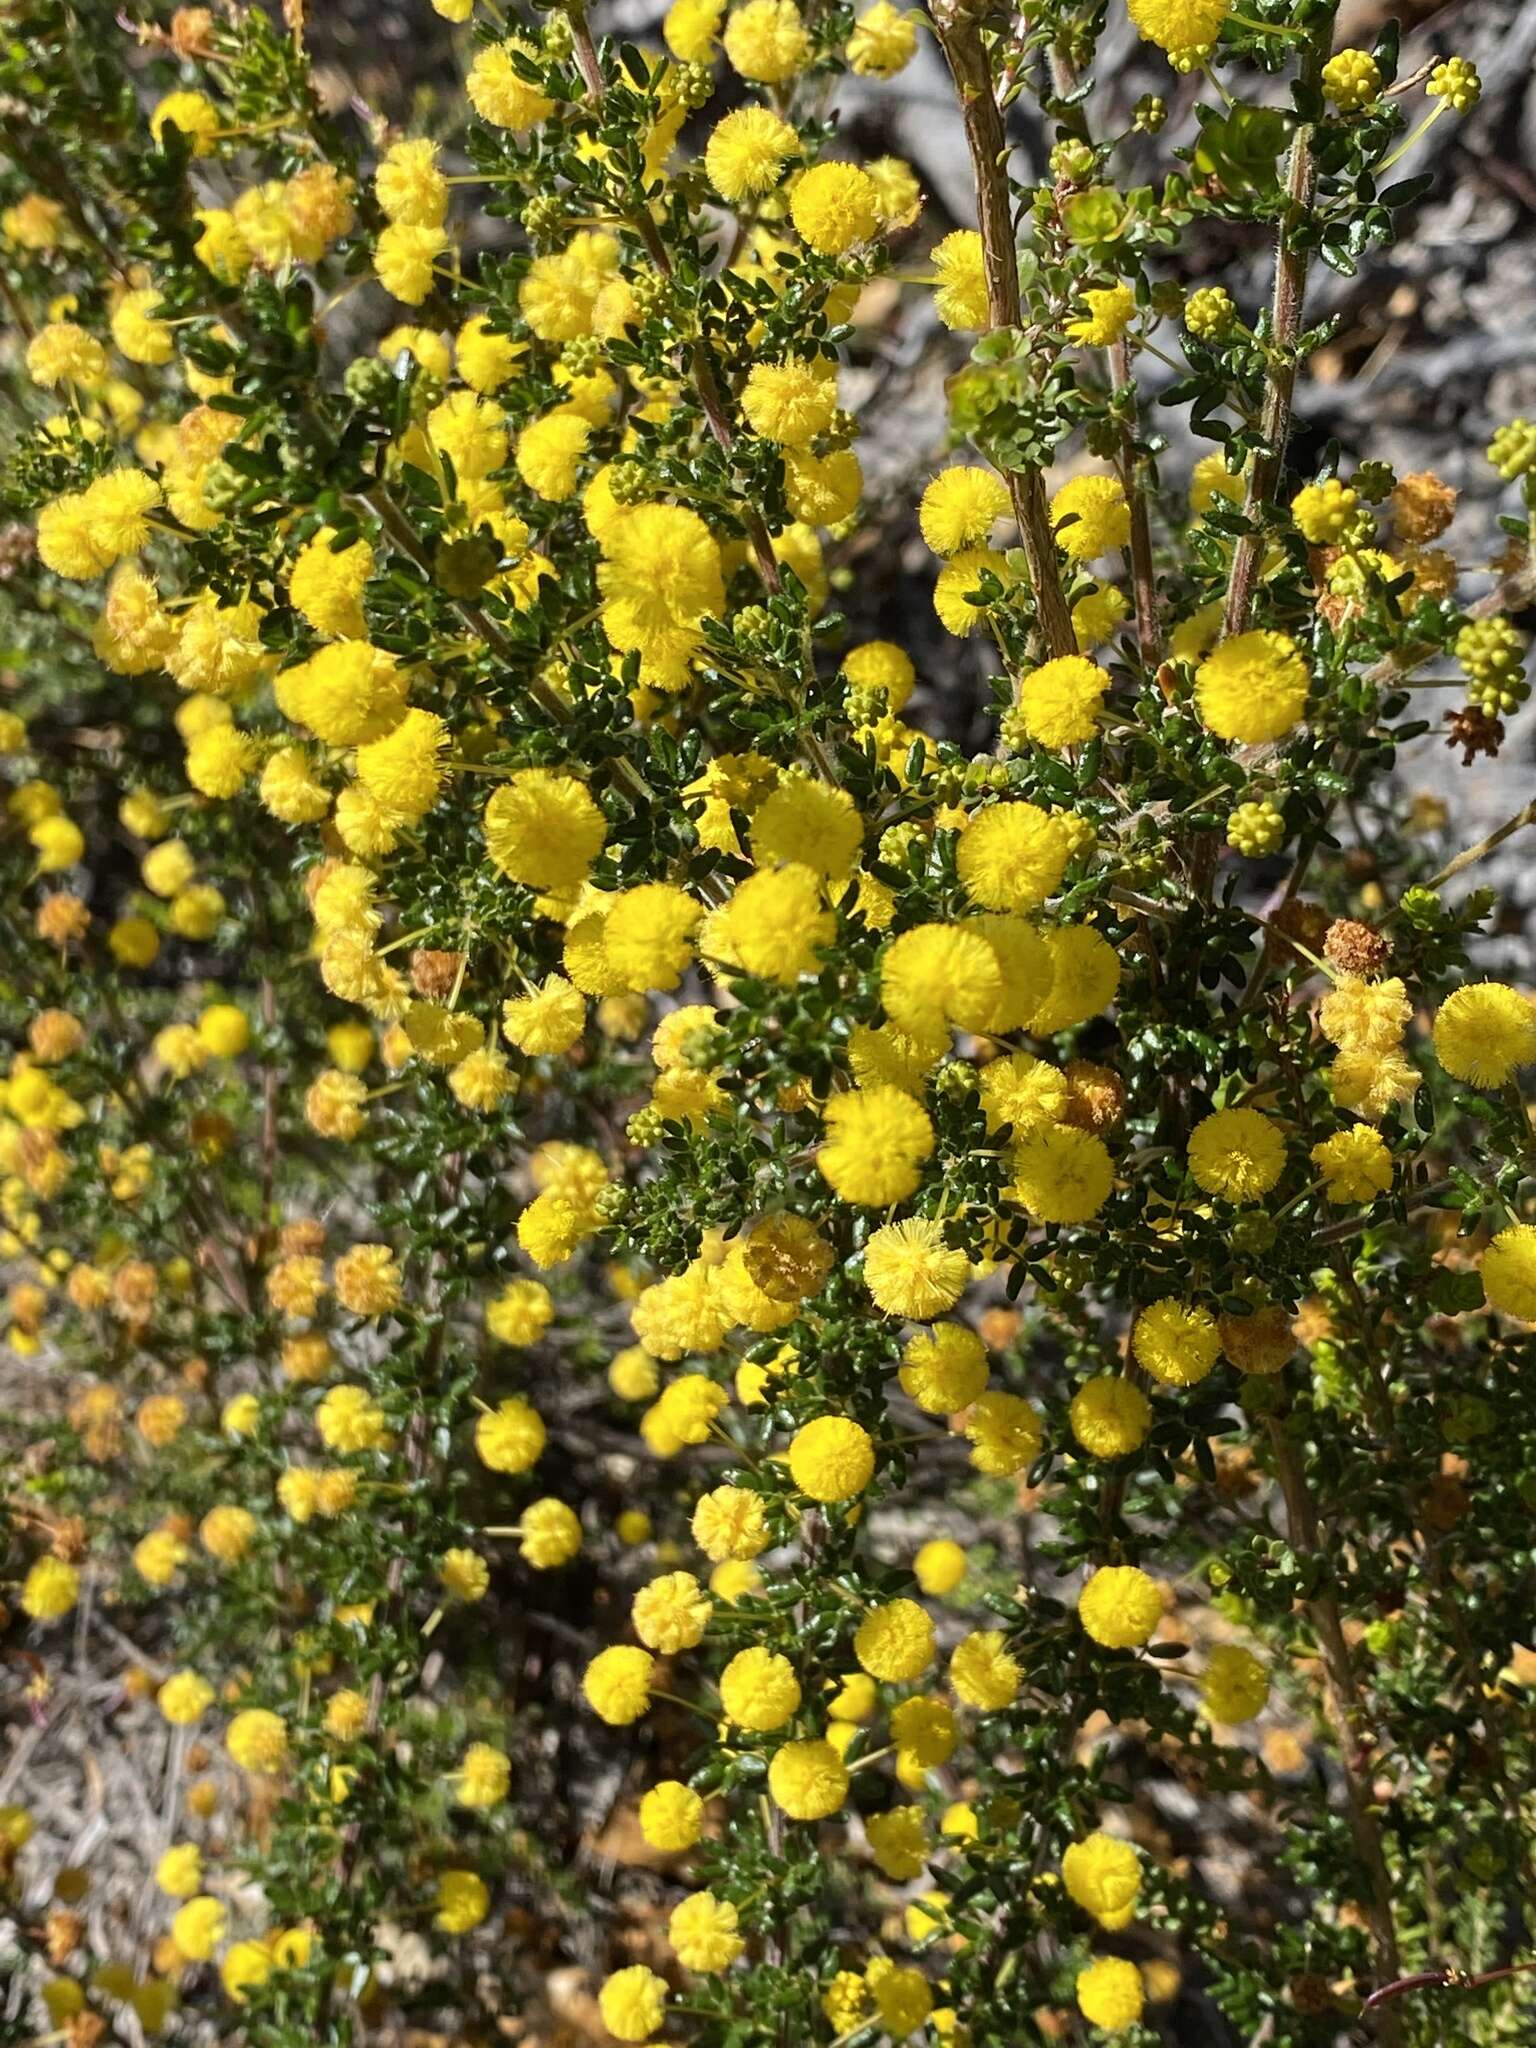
(1061, 1174)
(944, 1369)
(807, 1780)
(1060, 702)
(1252, 688)
(1485, 1032)
(671, 1816)
(884, 41)
(671, 1613)
(766, 41)
(939, 1566)
(1509, 1272)
(511, 1437)
(1234, 1685)
(498, 91)
(790, 402)
(911, 1271)
(462, 1901)
(759, 1689)
(1109, 313)
(1238, 1154)
(960, 508)
(1120, 1606)
(834, 206)
(617, 1684)
(982, 1672)
(703, 1931)
(1110, 1416)
(1176, 1343)
(832, 1458)
(1090, 516)
(877, 1141)
(1005, 1434)
(257, 1740)
(633, 2003)
(1012, 856)
(960, 280)
(895, 1642)
(1102, 1874)
(747, 152)
(1110, 1994)
(1355, 1164)
(50, 1589)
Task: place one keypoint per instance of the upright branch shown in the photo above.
(1291, 263)
(1137, 494)
(1342, 1703)
(956, 26)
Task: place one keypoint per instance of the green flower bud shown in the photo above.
(1465, 1418)
(369, 381)
(1261, 1396)
(648, 288)
(1209, 314)
(752, 625)
(954, 1079)
(558, 39)
(1512, 451)
(1256, 829)
(1073, 163)
(695, 85)
(222, 487)
(426, 392)
(894, 842)
(701, 1048)
(1373, 481)
(581, 356)
(543, 216)
(628, 483)
(1492, 651)
(865, 703)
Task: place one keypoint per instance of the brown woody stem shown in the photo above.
(1341, 1698)
(955, 23)
(1133, 478)
(1280, 391)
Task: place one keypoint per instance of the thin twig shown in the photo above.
(381, 503)
(1473, 854)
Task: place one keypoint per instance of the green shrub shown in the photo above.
(615, 1248)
